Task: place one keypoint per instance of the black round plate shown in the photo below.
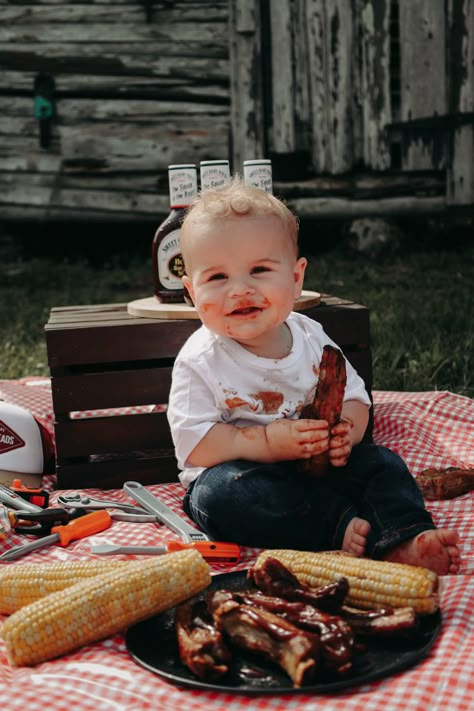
(152, 644)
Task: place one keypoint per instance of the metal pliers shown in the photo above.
(124, 512)
(43, 521)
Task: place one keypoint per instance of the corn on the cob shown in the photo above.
(372, 583)
(102, 606)
(22, 584)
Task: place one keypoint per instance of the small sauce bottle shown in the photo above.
(215, 174)
(167, 262)
(258, 173)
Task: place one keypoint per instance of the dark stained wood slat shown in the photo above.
(123, 388)
(114, 343)
(114, 434)
(113, 474)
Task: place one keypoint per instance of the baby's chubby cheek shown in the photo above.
(206, 307)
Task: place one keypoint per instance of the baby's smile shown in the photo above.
(245, 310)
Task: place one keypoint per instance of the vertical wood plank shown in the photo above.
(423, 78)
(247, 116)
(316, 68)
(460, 179)
(339, 86)
(302, 111)
(375, 81)
(283, 128)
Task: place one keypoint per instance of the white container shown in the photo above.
(258, 173)
(215, 174)
(182, 184)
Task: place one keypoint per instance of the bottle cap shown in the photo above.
(260, 161)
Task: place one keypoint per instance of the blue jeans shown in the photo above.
(276, 506)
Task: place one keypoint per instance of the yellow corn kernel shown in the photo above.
(22, 584)
(372, 583)
(102, 606)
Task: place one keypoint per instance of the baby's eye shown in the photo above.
(215, 277)
(259, 270)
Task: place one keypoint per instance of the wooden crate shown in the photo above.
(111, 375)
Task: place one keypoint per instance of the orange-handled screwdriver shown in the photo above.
(215, 551)
(78, 528)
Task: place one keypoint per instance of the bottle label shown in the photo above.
(214, 175)
(183, 185)
(259, 174)
(170, 262)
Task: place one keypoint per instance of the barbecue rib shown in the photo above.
(327, 403)
(335, 634)
(380, 623)
(273, 578)
(200, 644)
(437, 484)
(270, 636)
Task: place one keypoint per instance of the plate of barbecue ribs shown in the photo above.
(234, 638)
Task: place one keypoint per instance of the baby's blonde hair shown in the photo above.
(237, 199)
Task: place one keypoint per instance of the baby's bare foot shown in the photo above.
(435, 549)
(355, 536)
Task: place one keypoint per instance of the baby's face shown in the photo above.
(243, 276)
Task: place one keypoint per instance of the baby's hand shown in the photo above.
(340, 444)
(296, 439)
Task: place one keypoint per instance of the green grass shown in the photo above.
(421, 306)
(421, 316)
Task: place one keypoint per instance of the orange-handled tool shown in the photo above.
(210, 550)
(78, 528)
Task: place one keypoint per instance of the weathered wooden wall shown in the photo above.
(365, 106)
(132, 96)
(383, 85)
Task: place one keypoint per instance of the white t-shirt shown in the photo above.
(217, 380)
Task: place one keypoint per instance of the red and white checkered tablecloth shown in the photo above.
(427, 429)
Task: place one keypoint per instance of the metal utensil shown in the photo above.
(116, 549)
(91, 504)
(163, 513)
(210, 550)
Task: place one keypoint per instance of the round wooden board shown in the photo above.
(150, 307)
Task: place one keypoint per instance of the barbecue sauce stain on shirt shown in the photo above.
(264, 401)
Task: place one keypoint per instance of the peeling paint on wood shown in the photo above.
(283, 128)
(375, 84)
(460, 180)
(247, 120)
(422, 55)
(314, 84)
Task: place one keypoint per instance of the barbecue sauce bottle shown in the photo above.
(258, 173)
(167, 262)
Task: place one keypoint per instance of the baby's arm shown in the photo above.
(348, 432)
(278, 441)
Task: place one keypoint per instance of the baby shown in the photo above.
(239, 385)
